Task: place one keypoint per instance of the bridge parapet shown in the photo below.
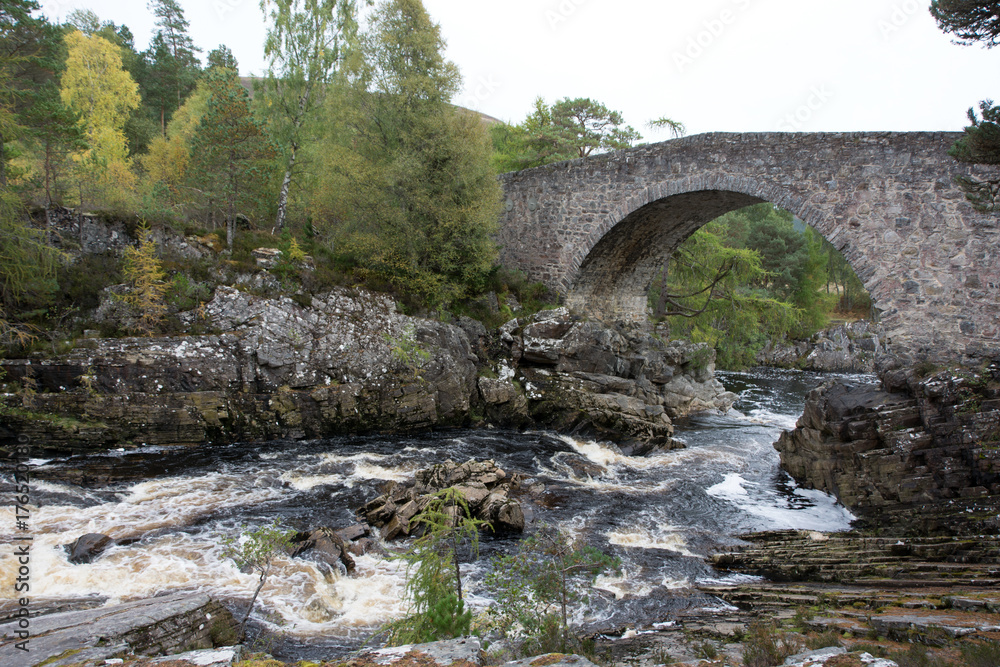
(597, 230)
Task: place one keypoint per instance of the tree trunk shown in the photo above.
(661, 303)
(283, 196)
(3, 163)
(253, 600)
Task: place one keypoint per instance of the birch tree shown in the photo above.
(305, 42)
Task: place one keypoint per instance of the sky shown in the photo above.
(714, 65)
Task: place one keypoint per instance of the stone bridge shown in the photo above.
(598, 229)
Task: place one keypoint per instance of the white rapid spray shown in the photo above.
(661, 515)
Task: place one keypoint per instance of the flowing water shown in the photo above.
(661, 515)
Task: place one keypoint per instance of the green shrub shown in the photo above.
(535, 587)
(981, 653)
(762, 647)
(823, 639)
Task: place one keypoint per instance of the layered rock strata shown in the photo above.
(622, 384)
(348, 362)
(275, 369)
(919, 453)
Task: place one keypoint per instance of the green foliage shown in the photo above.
(675, 127)
(144, 276)
(256, 550)
(230, 149)
(407, 196)
(981, 653)
(433, 577)
(823, 639)
(31, 54)
(536, 586)
(27, 264)
(762, 647)
(570, 128)
(714, 294)
(750, 276)
(971, 21)
(170, 64)
(305, 42)
(183, 294)
(407, 351)
(57, 134)
(917, 656)
(81, 282)
(980, 145)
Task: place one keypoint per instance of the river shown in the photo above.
(661, 514)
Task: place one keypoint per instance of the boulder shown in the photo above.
(617, 383)
(485, 487)
(323, 545)
(88, 547)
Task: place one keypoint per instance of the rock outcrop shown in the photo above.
(158, 626)
(347, 362)
(919, 453)
(485, 488)
(617, 383)
(274, 369)
(846, 348)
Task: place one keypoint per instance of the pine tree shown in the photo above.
(972, 21)
(230, 146)
(57, 132)
(975, 21)
(981, 145)
(171, 61)
(31, 53)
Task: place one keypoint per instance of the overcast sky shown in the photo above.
(715, 65)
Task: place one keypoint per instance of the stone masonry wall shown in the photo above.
(597, 229)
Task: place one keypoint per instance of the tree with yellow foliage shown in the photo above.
(168, 157)
(144, 276)
(97, 87)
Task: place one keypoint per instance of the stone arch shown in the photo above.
(887, 200)
(611, 273)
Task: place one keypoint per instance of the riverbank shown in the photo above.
(349, 362)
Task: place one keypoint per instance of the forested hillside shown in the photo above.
(347, 155)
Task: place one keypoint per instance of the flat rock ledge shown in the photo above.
(157, 626)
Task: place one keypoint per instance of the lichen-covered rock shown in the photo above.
(621, 384)
(347, 363)
(847, 348)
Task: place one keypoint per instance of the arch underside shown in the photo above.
(614, 278)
